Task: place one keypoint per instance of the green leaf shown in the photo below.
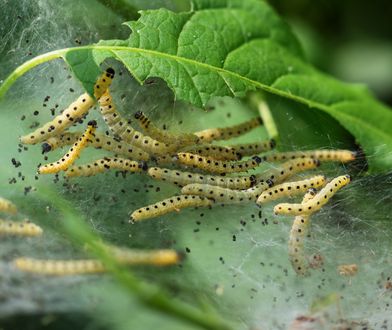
(228, 48)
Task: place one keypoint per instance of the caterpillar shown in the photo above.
(299, 231)
(69, 158)
(183, 178)
(249, 149)
(69, 116)
(25, 228)
(225, 133)
(291, 189)
(343, 156)
(104, 164)
(175, 203)
(216, 152)
(90, 266)
(317, 202)
(99, 141)
(124, 131)
(216, 166)
(7, 206)
(287, 169)
(180, 139)
(225, 195)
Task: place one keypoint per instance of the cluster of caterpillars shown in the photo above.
(207, 173)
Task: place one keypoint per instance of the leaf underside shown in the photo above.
(231, 47)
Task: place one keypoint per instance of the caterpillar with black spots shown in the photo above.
(105, 164)
(291, 189)
(216, 166)
(7, 206)
(299, 231)
(72, 114)
(225, 133)
(175, 203)
(250, 149)
(343, 156)
(225, 195)
(288, 169)
(179, 139)
(99, 141)
(91, 266)
(74, 152)
(181, 178)
(215, 152)
(317, 202)
(18, 228)
(126, 132)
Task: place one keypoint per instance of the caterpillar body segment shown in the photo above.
(72, 114)
(99, 141)
(343, 156)
(291, 189)
(216, 166)
(299, 231)
(225, 195)
(7, 206)
(18, 228)
(317, 202)
(125, 132)
(183, 178)
(288, 169)
(105, 164)
(175, 203)
(250, 149)
(74, 152)
(179, 139)
(215, 152)
(225, 133)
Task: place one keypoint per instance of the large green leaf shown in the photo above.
(227, 48)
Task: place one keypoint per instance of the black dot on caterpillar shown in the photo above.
(216, 166)
(291, 189)
(69, 158)
(181, 178)
(72, 114)
(175, 203)
(317, 202)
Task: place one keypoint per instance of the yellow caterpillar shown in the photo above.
(180, 139)
(287, 169)
(25, 228)
(317, 202)
(104, 164)
(90, 266)
(69, 158)
(183, 178)
(298, 233)
(7, 206)
(225, 133)
(225, 195)
(69, 116)
(291, 189)
(216, 166)
(175, 203)
(215, 152)
(123, 130)
(343, 156)
(99, 141)
(250, 149)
